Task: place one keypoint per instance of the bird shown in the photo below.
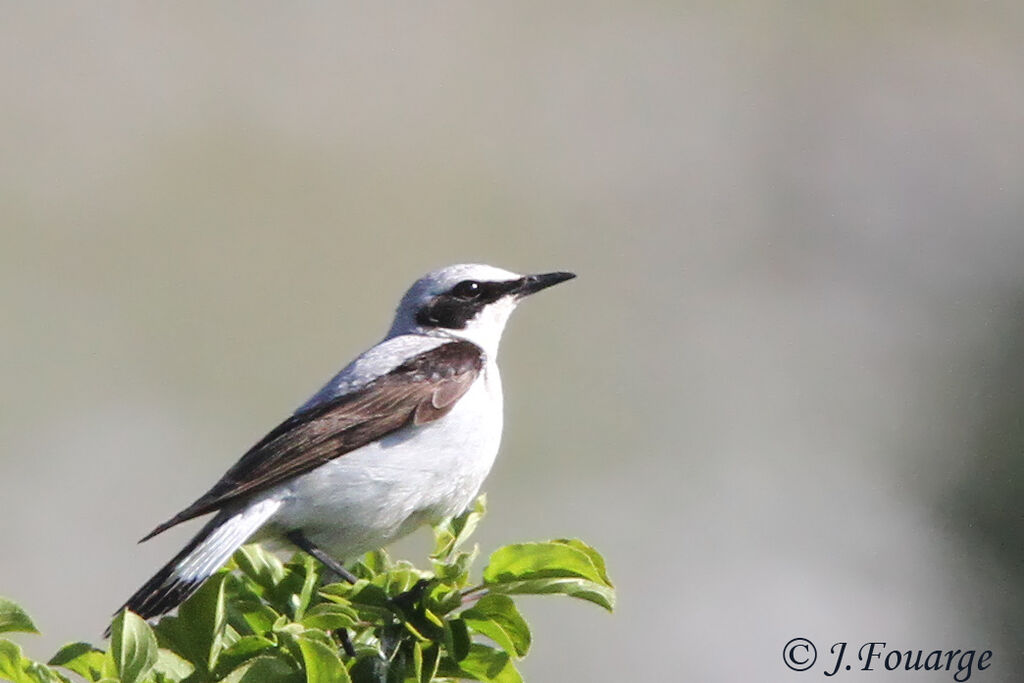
(401, 437)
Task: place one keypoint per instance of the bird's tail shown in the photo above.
(204, 554)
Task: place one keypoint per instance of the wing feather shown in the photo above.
(419, 391)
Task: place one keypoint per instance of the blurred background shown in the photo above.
(784, 396)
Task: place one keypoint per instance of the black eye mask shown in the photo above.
(463, 302)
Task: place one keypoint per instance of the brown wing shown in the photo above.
(419, 391)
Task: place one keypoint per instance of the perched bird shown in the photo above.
(403, 436)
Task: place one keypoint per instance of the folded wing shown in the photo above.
(419, 391)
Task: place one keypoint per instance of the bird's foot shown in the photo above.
(406, 602)
(346, 642)
(303, 543)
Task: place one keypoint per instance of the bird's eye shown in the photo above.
(467, 289)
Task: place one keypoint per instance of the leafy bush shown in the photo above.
(259, 620)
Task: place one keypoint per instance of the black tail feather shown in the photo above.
(202, 556)
(166, 590)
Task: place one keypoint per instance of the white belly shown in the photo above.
(376, 494)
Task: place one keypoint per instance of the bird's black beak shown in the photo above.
(530, 284)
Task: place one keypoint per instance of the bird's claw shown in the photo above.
(407, 600)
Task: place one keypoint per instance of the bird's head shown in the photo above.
(470, 301)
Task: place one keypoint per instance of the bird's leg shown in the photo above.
(304, 544)
(346, 642)
(404, 602)
(300, 540)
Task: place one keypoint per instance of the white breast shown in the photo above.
(368, 498)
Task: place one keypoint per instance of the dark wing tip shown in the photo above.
(158, 530)
(173, 521)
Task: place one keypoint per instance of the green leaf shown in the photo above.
(369, 600)
(450, 534)
(483, 663)
(262, 567)
(371, 669)
(241, 651)
(593, 555)
(554, 559)
(573, 587)
(567, 567)
(247, 611)
(251, 616)
(329, 616)
(322, 663)
(109, 666)
(399, 578)
(430, 656)
(198, 632)
(372, 563)
(82, 658)
(171, 667)
(12, 663)
(292, 595)
(417, 660)
(264, 669)
(16, 668)
(13, 618)
(454, 570)
(40, 673)
(311, 577)
(496, 617)
(133, 645)
(444, 598)
(456, 639)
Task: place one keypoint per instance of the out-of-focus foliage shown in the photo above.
(984, 503)
(259, 619)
